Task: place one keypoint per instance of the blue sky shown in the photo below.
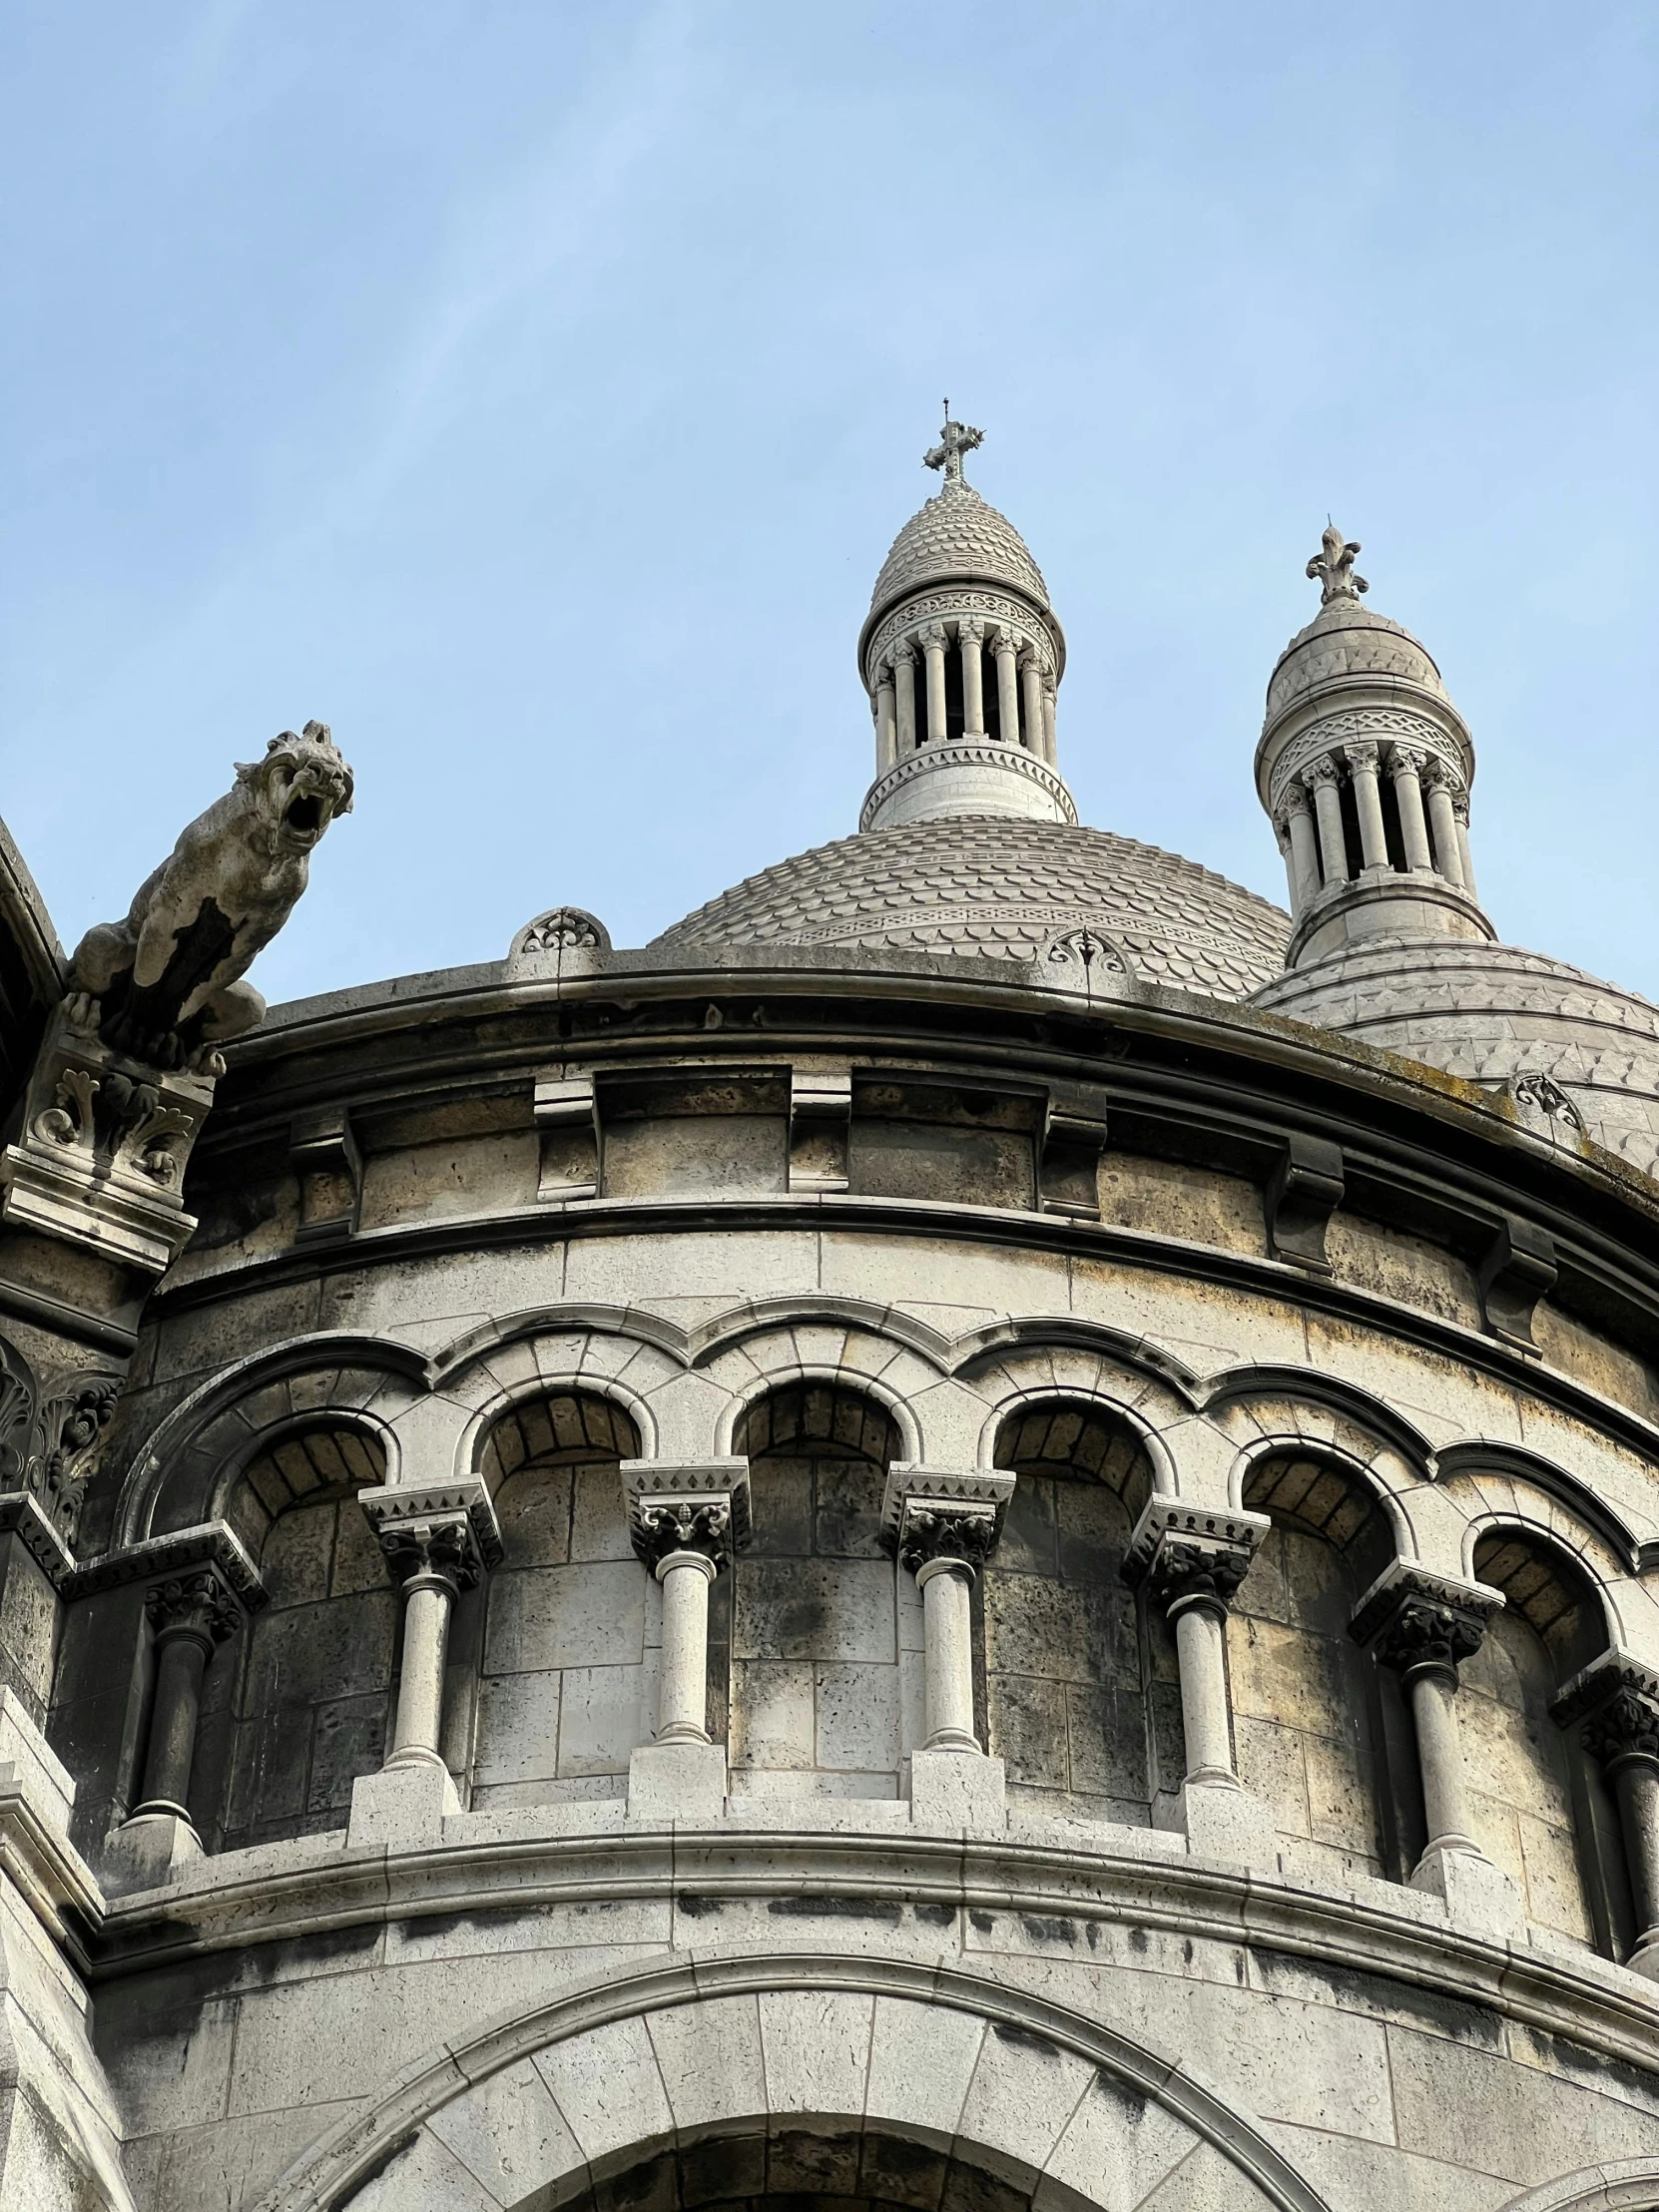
(531, 390)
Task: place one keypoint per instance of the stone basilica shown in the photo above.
(981, 1533)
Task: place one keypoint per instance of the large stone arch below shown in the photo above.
(713, 2080)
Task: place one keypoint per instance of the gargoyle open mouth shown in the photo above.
(305, 816)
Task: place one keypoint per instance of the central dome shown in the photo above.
(957, 536)
(1004, 888)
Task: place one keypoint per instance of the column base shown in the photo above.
(958, 1788)
(1221, 1819)
(681, 1783)
(1644, 1960)
(1475, 1892)
(146, 1851)
(401, 1807)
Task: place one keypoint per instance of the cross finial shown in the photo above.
(1334, 566)
(956, 439)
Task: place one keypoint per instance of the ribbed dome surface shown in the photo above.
(1003, 888)
(1346, 639)
(958, 534)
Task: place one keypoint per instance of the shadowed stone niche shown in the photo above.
(281, 1742)
(825, 1633)
(565, 1639)
(1313, 1717)
(1539, 1805)
(809, 2164)
(1080, 1694)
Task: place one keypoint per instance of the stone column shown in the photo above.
(904, 697)
(943, 1524)
(687, 1518)
(439, 1539)
(190, 1614)
(1006, 648)
(1424, 1626)
(1303, 860)
(1624, 1735)
(1322, 777)
(1460, 814)
(1051, 746)
(886, 742)
(1031, 686)
(1405, 765)
(434, 1557)
(970, 643)
(1191, 1560)
(934, 643)
(684, 1542)
(1449, 856)
(1361, 762)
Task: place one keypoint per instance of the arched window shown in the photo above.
(562, 1642)
(282, 1738)
(1537, 1803)
(1081, 1696)
(1319, 1732)
(824, 1635)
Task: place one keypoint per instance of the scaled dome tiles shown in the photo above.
(958, 534)
(1004, 888)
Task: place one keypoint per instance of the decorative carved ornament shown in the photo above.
(1539, 1094)
(934, 1514)
(445, 1529)
(48, 1436)
(1623, 1731)
(1083, 959)
(564, 929)
(1333, 566)
(1393, 726)
(901, 623)
(442, 1550)
(695, 1505)
(1420, 1622)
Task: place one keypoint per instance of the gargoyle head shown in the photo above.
(302, 783)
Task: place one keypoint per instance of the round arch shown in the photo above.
(1622, 2185)
(604, 2079)
(736, 1413)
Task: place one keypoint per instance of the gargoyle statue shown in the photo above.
(165, 985)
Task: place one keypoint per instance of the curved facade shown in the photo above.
(809, 1565)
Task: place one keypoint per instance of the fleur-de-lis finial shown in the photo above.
(956, 439)
(1334, 566)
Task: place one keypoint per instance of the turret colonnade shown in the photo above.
(837, 1548)
(967, 676)
(1363, 805)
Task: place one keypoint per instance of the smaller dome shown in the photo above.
(958, 534)
(1346, 639)
(1496, 1015)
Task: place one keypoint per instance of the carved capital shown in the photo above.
(1190, 1556)
(935, 638)
(1007, 641)
(1624, 1730)
(701, 1524)
(1616, 1701)
(686, 1505)
(935, 1515)
(1320, 772)
(1461, 806)
(1420, 1622)
(903, 653)
(1295, 802)
(197, 1607)
(444, 1529)
(1361, 757)
(1407, 760)
(970, 629)
(440, 1551)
